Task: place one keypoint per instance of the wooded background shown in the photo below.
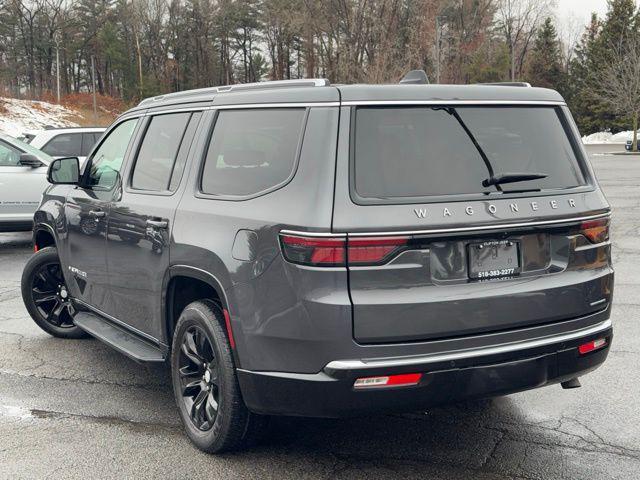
(146, 47)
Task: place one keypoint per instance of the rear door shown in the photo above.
(141, 219)
(433, 253)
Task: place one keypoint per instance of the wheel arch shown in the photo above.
(186, 284)
(43, 236)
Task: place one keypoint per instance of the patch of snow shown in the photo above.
(18, 116)
(608, 137)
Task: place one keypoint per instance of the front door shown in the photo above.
(21, 187)
(87, 212)
(141, 217)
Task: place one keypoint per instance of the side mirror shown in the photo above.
(29, 160)
(64, 171)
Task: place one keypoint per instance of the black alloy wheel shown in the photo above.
(51, 297)
(199, 378)
(205, 385)
(46, 296)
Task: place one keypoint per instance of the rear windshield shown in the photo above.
(413, 152)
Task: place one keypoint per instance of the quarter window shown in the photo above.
(64, 145)
(157, 155)
(251, 151)
(106, 161)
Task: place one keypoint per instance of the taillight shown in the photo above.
(597, 231)
(338, 251)
(373, 250)
(316, 251)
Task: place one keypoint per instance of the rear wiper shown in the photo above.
(454, 113)
(502, 178)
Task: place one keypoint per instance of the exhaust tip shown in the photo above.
(573, 383)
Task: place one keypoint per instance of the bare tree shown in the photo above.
(518, 21)
(619, 83)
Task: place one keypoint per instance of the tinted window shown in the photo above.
(181, 159)
(158, 152)
(251, 150)
(9, 155)
(64, 145)
(106, 161)
(423, 151)
(88, 141)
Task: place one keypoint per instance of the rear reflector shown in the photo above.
(597, 231)
(338, 251)
(401, 380)
(592, 345)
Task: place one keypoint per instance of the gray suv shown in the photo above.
(297, 248)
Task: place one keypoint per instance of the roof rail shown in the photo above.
(302, 82)
(507, 84)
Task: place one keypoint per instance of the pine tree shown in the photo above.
(545, 66)
(616, 30)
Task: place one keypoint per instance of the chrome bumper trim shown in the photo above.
(466, 354)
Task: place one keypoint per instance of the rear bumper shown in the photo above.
(446, 378)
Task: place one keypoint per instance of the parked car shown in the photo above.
(22, 180)
(64, 142)
(307, 249)
(629, 146)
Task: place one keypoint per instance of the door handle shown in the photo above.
(158, 223)
(97, 213)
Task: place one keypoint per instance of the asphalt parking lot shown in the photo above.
(77, 409)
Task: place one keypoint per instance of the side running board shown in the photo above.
(117, 337)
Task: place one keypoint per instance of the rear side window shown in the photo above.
(64, 145)
(252, 151)
(400, 153)
(157, 155)
(88, 141)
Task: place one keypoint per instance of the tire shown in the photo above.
(46, 297)
(221, 422)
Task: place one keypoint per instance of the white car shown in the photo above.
(23, 178)
(64, 142)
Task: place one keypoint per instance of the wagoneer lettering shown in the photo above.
(298, 248)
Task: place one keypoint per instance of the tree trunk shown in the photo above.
(634, 144)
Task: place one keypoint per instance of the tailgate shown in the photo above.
(435, 288)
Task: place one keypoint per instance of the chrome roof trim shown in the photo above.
(445, 101)
(497, 226)
(274, 105)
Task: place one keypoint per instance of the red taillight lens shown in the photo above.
(597, 231)
(401, 380)
(592, 345)
(338, 251)
(373, 250)
(323, 252)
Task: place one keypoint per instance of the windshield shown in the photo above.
(421, 151)
(25, 147)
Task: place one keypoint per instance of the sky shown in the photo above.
(573, 16)
(580, 10)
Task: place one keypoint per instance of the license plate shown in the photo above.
(494, 259)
